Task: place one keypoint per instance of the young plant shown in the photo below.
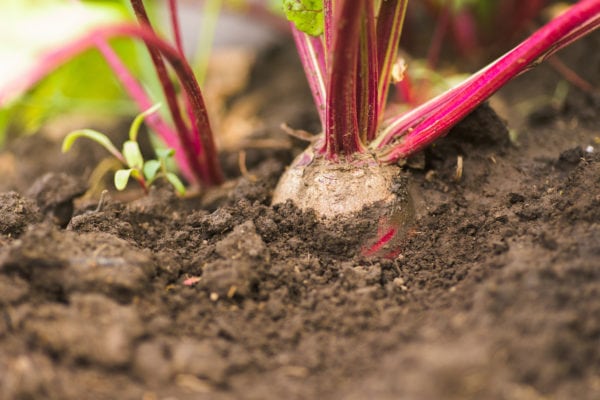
(83, 87)
(348, 50)
(144, 172)
(190, 133)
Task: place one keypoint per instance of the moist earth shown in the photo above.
(495, 293)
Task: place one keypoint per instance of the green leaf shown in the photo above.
(96, 136)
(38, 26)
(4, 123)
(177, 184)
(151, 167)
(122, 177)
(458, 5)
(133, 155)
(164, 154)
(135, 125)
(307, 15)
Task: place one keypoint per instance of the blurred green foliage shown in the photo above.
(307, 15)
(83, 85)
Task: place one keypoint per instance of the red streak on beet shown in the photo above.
(381, 242)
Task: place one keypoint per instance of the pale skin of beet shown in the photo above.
(347, 188)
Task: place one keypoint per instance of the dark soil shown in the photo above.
(496, 293)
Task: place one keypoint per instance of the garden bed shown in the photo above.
(495, 295)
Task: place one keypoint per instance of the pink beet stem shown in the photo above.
(312, 55)
(176, 29)
(433, 119)
(381, 242)
(175, 25)
(367, 78)
(341, 125)
(163, 76)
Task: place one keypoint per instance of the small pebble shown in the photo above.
(398, 281)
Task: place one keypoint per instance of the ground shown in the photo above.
(495, 293)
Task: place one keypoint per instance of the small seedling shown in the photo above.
(144, 172)
(188, 130)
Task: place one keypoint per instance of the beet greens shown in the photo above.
(349, 65)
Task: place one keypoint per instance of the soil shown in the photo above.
(495, 293)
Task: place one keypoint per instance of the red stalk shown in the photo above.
(432, 120)
(329, 22)
(192, 144)
(351, 99)
(312, 56)
(439, 33)
(341, 127)
(175, 25)
(176, 29)
(161, 71)
(368, 78)
(137, 93)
